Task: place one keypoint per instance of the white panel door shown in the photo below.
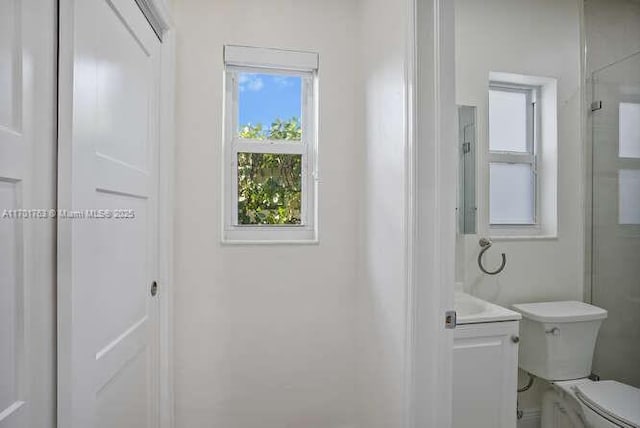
(107, 257)
(27, 238)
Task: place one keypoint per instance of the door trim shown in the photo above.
(430, 211)
(165, 224)
(63, 239)
(158, 13)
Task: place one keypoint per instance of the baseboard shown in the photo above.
(530, 418)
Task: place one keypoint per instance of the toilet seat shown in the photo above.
(613, 400)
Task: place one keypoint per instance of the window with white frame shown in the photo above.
(513, 148)
(270, 145)
(629, 163)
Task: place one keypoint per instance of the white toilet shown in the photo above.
(557, 344)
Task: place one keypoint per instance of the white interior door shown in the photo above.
(107, 257)
(27, 238)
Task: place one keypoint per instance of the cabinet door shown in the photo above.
(485, 365)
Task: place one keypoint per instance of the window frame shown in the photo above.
(270, 61)
(531, 157)
(625, 163)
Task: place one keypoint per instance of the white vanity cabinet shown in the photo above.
(485, 375)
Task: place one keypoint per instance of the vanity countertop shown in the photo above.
(472, 310)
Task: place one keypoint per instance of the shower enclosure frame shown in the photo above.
(597, 71)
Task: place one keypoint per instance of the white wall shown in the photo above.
(265, 336)
(382, 292)
(540, 38)
(612, 31)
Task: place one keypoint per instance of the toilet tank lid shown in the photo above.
(567, 311)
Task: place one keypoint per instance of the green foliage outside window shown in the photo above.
(270, 185)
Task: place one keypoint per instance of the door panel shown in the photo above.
(123, 404)
(27, 177)
(109, 368)
(124, 90)
(12, 338)
(12, 175)
(10, 65)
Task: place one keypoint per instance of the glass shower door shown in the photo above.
(616, 219)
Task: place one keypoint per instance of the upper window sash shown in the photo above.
(531, 96)
(529, 156)
(305, 146)
(268, 146)
(232, 93)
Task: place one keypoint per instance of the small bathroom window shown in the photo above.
(512, 154)
(522, 156)
(270, 145)
(629, 153)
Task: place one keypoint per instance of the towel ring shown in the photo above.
(485, 244)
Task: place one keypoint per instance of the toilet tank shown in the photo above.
(557, 339)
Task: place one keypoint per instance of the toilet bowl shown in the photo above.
(592, 404)
(557, 340)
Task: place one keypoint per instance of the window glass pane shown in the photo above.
(512, 194)
(629, 196)
(507, 121)
(269, 106)
(629, 145)
(269, 188)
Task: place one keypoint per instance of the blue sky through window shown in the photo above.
(264, 98)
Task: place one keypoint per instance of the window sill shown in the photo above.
(234, 242)
(533, 232)
(265, 235)
(498, 238)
